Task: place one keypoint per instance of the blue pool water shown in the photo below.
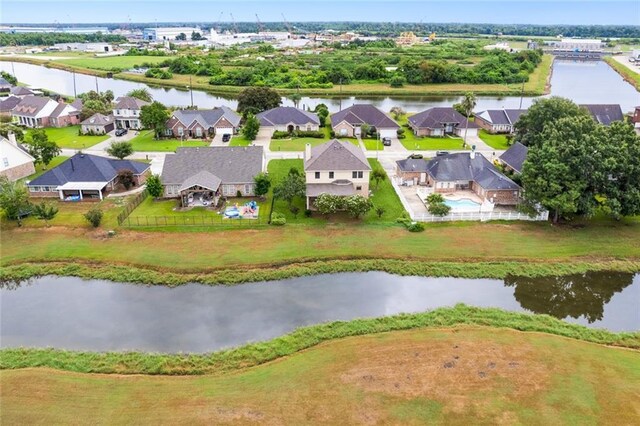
(463, 203)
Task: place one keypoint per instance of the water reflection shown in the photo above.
(570, 296)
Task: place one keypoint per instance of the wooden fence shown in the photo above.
(131, 206)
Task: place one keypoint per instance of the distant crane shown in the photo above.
(260, 27)
(218, 23)
(286, 24)
(233, 23)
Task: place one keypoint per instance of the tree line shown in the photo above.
(48, 39)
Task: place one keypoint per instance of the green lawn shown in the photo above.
(494, 141)
(144, 142)
(239, 140)
(111, 62)
(298, 144)
(461, 375)
(417, 143)
(373, 144)
(68, 137)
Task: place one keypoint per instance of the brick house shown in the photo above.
(441, 121)
(288, 119)
(98, 124)
(16, 162)
(86, 176)
(498, 120)
(349, 121)
(186, 123)
(200, 176)
(40, 111)
(461, 171)
(604, 113)
(336, 168)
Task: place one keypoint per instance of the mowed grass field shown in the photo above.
(144, 142)
(494, 141)
(68, 137)
(110, 62)
(466, 375)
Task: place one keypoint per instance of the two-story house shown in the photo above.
(336, 168)
(127, 112)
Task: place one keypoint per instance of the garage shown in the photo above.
(224, 130)
(388, 133)
(471, 131)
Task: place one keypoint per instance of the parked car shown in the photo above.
(121, 132)
(386, 141)
(441, 153)
(416, 156)
(226, 137)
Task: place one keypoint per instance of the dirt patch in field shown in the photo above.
(450, 370)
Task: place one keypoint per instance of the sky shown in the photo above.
(602, 12)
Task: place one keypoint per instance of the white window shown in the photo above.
(228, 190)
(180, 131)
(5, 160)
(168, 132)
(330, 175)
(34, 189)
(248, 189)
(199, 132)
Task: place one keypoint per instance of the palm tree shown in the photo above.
(468, 104)
(295, 98)
(142, 94)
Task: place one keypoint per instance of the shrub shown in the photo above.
(294, 210)
(278, 219)
(397, 81)
(439, 209)
(154, 186)
(328, 204)
(279, 134)
(415, 227)
(238, 194)
(357, 205)
(435, 198)
(45, 211)
(332, 134)
(263, 183)
(380, 211)
(125, 177)
(308, 213)
(94, 216)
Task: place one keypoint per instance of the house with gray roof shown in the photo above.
(288, 119)
(40, 111)
(8, 104)
(470, 171)
(21, 91)
(604, 113)
(5, 86)
(441, 121)
(85, 176)
(412, 169)
(336, 168)
(127, 112)
(98, 124)
(514, 157)
(349, 121)
(498, 120)
(189, 123)
(200, 176)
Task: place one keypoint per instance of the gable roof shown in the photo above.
(128, 102)
(206, 117)
(412, 165)
(204, 179)
(98, 119)
(60, 108)
(336, 155)
(87, 168)
(285, 115)
(235, 164)
(30, 106)
(364, 113)
(5, 84)
(9, 103)
(501, 116)
(20, 91)
(514, 157)
(461, 167)
(605, 113)
(6, 144)
(77, 104)
(437, 117)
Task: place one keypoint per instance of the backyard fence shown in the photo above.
(483, 217)
(131, 205)
(218, 220)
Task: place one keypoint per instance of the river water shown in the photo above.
(70, 313)
(592, 82)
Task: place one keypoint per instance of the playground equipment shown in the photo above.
(238, 212)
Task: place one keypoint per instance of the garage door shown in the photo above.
(388, 133)
(224, 130)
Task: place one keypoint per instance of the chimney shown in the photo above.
(473, 152)
(307, 152)
(12, 138)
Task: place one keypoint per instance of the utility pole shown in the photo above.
(75, 95)
(191, 91)
(521, 94)
(340, 93)
(13, 70)
(97, 90)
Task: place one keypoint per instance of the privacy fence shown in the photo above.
(483, 217)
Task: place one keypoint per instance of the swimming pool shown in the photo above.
(463, 203)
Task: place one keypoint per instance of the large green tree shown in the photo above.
(290, 187)
(257, 99)
(120, 149)
(153, 117)
(14, 199)
(251, 127)
(530, 125)
(41, 148)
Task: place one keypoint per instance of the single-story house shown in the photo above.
(16, 163)
(498, 120)
(349, 121)
(5, 86)
(200, 176)
(463, 171)
(412, 169)
(8, 104)
(190, 123)
(288, 119)
(98, 124)
(85, 176)
(336, 168)
(514, 157)
(441, 121)
(605, 113)
(40, 111)
(127, 112)
(21, 91)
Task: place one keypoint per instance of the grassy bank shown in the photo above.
(303, 338)
(534, 87)
(629, 75)
(464, 375)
